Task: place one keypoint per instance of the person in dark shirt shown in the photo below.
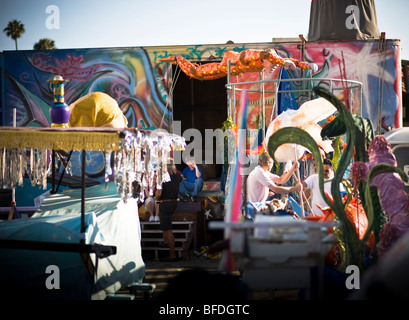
(168, 201)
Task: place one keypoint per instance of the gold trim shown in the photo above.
(59, 140)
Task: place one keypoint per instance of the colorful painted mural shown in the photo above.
(124, 74)
(375, 64)
(141, 84)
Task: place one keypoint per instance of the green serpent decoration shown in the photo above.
(359, 135)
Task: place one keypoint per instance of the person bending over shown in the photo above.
(261, 183)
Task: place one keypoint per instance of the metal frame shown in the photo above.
(306, 82)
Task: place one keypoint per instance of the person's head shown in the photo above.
(190, 161)
(265, 161)
(328, 168)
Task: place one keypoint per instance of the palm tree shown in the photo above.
(14, 30)
(44, 44)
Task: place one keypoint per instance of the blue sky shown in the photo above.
(127, 23)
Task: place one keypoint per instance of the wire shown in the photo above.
(171, 92)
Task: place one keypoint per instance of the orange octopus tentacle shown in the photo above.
(210, 71)
(170, 59)
(249, 60)
(300, 64)
(272, 56)
(187, 67)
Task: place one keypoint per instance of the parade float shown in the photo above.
(144, 82)
(268, 97)
(81, 243)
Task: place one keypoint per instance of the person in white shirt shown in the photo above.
(311, 185)
(261, 183)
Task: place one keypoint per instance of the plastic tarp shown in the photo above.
(109, 221)
(343, 20)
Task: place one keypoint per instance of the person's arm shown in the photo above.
(158, 194)
(280, 189)
(182, 174)
(287, 175)
(307, 191)
(197, 171)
